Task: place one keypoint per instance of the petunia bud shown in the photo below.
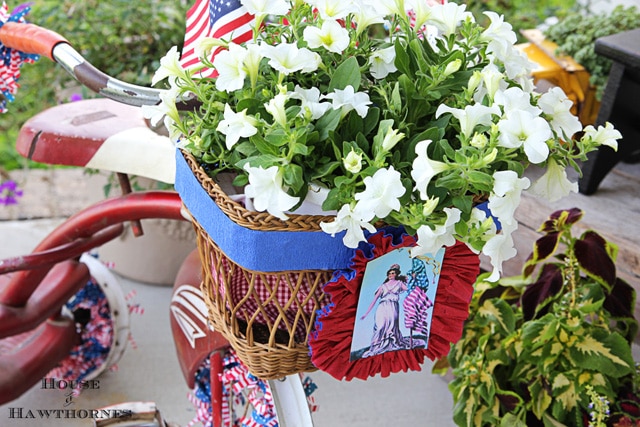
(353, 162)
(479, 140)
(452, 67)
(391, 138)
(429, 206)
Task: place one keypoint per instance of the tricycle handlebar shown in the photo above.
(33, 39)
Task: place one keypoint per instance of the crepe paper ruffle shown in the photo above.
(330, 343)
(11, 60)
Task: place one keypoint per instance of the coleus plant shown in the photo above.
(539, 348)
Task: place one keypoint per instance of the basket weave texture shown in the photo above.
(266, 316)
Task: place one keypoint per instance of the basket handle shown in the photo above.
(30, 38)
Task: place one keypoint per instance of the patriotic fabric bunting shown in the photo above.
(330, 343)
(247, 400)
(10, 59)
(90, 305)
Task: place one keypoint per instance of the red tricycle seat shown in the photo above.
(98, 134)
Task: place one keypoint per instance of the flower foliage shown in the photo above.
(537, 348)
(407, 112)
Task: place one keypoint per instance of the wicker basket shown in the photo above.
(266, 316)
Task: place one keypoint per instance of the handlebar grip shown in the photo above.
(30, 38)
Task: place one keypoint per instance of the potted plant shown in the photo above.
(411, 126)
(402, 113)
(566, 57)
(576, 33)
(551, 347)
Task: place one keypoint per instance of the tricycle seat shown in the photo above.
(98, 134)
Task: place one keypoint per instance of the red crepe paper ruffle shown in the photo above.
(330, 343)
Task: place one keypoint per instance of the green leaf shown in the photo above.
(511, 420)
(347, 74)
(327, 123)
(371, 120)
(293, 176)
(277, 138)
(540, 397)
(481, 180)
(403, 60)
(264, 146)
(500, 312)
(603, 351)
(536, 333)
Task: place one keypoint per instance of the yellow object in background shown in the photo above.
(561, 71)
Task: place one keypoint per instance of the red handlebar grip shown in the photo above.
(30, 38)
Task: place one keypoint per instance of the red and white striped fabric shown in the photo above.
(223, 19)
(277, 289)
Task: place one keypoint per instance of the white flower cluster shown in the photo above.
(503, 115)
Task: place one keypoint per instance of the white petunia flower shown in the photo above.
(350, 220)
(381, 194)
(276, 107)
(366, 15)
(557, 106)
(169, 68)
(381, 62)
(515, 98)
(604, 135)
(235, 126)
(348, 100)
(288, 58)
(422, 11)
(265, 188)
(334, 9)
(230, 67)
(448, 16)
(491, 79)
(505, 197)
(521, 128)
(332, 36)
(424, 169)
(310, 106)
(500, 248)
(498, 34)
(266, 7)
(391, 7)
(430, 241)
(554, 184)
(472, 116)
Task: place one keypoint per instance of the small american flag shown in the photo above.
(223, 19)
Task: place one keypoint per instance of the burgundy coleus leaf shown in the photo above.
(509, 401)
(559, 219)
(620, 301)
(543, 248)
(538, 294)
(593, 257)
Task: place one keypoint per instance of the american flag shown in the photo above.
(223, 19)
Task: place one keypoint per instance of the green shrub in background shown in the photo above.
(522, 14)
(122, 38)
(576, 34)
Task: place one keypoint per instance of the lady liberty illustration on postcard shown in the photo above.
(395, 303)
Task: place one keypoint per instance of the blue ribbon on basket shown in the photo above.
(256, 250)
